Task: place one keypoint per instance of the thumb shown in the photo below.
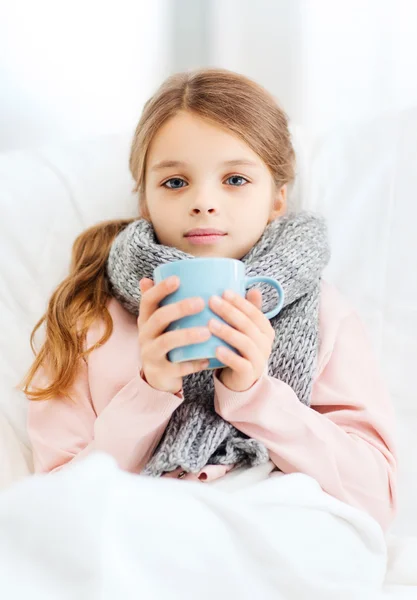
(145, 284)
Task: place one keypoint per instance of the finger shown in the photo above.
(237, 363)
(164, 316)
(253, 351)
(177, 370)
(181, 337)
(236, 317)
(189, 367)
(153, 296)
(255, 315)
(184, 368)
(255, 298)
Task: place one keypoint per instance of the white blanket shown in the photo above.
(95, 531)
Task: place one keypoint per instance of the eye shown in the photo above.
(175, 183)
(237, 180)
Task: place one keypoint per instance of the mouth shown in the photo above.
(205, 236)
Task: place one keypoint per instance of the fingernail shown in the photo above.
(229, 295)
(172, 280)
(216, 300)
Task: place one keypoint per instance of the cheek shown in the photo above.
(253, 213)
(151, 204)
(166, 223)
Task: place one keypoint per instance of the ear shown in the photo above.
(279, 203)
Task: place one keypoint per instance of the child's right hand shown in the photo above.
(154, 344)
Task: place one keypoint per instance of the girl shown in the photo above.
(212, 160)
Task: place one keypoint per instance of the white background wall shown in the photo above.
(74, 69)
(326, 61)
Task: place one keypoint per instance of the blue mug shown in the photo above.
(206, 277)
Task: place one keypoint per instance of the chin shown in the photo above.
(210, 253)
(207, 252)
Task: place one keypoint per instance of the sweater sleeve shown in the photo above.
(344, 440)
(129, 427)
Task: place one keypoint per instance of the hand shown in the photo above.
(250, 333)
(154, 344)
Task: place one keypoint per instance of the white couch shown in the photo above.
(363, 178)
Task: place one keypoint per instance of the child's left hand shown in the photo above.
(251, 334)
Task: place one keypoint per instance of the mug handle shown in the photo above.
(276, 285)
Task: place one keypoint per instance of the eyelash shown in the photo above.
(181, 179)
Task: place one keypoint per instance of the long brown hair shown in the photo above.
(225, 98)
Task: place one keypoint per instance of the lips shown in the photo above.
(202, 231)
(205, 236)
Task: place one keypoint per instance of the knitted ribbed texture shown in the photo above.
(294, 250)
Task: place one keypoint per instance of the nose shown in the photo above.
(204, 203)
(197, 211)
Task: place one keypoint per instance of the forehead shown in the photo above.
(190, 138)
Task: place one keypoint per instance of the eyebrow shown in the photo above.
(165, 164)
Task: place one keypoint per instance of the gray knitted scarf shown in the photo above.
(294, 250)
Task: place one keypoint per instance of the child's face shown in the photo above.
(204, 192)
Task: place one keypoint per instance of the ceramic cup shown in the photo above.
(206, 277)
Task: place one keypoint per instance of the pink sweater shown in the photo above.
(344, 440)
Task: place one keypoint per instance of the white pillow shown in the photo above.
(363, 178)
(15, 458)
